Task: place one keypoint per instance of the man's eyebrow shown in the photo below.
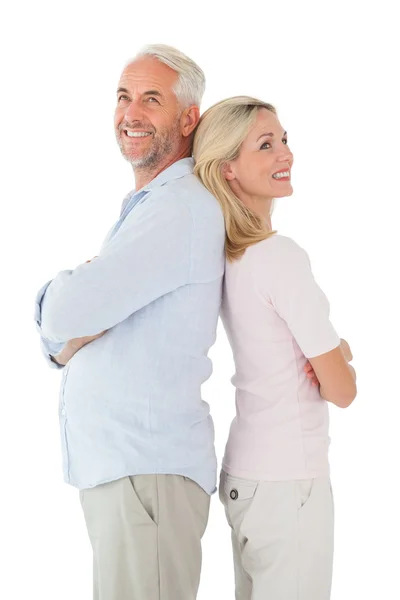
(152, 93)
(270, 135)
(147, 93)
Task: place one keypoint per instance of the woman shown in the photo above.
(289, 363)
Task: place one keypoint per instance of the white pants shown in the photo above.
(146, 535)
(282, 537)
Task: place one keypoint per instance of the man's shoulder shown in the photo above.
(190, 192)
(191, 185)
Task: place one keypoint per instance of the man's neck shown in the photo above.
(144, 176)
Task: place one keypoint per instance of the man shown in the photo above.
(138, 320)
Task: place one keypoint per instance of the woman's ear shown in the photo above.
(227, 171)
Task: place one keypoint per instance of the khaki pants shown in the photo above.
(146, 535)
(282, 537)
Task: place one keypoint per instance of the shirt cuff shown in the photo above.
(38, 305)
(48, 347)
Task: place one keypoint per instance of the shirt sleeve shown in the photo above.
(47, 347)
(287, 282)
(149, 257)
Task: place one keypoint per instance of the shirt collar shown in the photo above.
(178, 169)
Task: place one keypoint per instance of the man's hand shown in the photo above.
(73, 346)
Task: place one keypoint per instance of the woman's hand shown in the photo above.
(345, 348)
(310, 374)
(346, 351)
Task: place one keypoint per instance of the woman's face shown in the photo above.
(263, 167)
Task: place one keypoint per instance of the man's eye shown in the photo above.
(265, 146)
(152, 99)
(122, 98)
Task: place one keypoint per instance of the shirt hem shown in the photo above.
(263, 476)
(182, 472)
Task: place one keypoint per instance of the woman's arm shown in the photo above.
(289, 285)
(310, 373)
(336, 377)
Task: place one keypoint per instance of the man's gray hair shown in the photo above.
(190, 87)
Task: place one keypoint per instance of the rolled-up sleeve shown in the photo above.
(48, 348)
(149, 257)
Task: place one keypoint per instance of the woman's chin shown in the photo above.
(284, 192)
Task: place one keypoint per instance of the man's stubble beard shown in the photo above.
(162, 146)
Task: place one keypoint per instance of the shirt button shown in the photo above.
(234, 494)
(63, 412)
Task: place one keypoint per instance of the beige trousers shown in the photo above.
(146, 535)
(282, 537)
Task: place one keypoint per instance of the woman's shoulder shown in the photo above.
(279, 263)
(277, 247)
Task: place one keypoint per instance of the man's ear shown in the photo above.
(189, 120)
(228, 172)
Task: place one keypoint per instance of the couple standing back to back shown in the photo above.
(131, 330)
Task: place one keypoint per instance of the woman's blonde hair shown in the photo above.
(221, 131)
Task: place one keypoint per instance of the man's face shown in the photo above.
(147, 116)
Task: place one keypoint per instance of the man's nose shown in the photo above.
(133, 112)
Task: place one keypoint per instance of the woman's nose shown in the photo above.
(286, 155)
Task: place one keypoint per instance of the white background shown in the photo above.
(331, 70)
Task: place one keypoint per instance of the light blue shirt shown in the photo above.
(130, 402)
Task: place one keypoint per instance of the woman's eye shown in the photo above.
(284, 141)
(265, 146)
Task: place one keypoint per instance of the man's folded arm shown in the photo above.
(146, 260)
(49, 349)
